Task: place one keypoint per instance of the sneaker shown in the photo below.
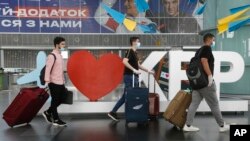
(225, 128)
(113, 116)
(47, 117)
(190, 129)
(59, 123)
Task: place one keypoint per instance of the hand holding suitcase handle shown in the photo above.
(133, 83)
(44, 93)
(136, 71)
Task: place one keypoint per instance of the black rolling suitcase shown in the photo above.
(136, 105)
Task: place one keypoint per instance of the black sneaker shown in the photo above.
(113, 116)
(47, 117)
(59, 123)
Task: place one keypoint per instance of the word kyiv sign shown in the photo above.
(232, 59)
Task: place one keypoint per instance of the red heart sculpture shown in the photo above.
(95, 78)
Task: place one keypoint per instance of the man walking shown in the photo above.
(209, 92)
(54, 78)
(132, 67)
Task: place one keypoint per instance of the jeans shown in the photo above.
(128, 81)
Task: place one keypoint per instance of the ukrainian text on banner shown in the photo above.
(88, 16)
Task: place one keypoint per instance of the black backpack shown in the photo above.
(42, 73)
(197, 77)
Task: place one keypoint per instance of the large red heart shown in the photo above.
(95, 78)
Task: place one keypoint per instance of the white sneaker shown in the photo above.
(225, 128)
(190, 129)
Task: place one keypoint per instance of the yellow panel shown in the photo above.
(222, 28)
(241, 18)
(129, 24)
(232, 17)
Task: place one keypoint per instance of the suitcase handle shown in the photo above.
(133, 81)
(46, 89)
(149, 81)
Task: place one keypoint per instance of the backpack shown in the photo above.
(42, 73)
(197, 77)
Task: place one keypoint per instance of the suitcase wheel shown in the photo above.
(126, 124)
(178, 128)
(144, 124)
(153, 118)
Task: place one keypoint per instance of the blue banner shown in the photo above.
(87, 16)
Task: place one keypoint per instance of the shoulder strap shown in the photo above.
(199, 53)
(54, 60)
(128, 53)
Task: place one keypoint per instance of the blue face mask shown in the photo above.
(213, 44)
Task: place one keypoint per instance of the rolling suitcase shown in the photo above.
(25, 106)
(136, 105)
(154, 103)
(176, 110)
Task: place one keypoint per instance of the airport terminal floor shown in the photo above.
(98, 127)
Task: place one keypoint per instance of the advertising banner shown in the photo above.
(90, 16)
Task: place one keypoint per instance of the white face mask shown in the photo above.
(138, 44)
(213, 44)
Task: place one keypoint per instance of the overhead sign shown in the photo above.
(88, 16)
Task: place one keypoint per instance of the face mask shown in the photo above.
(138, 44)
(213, 44)
(62, 49)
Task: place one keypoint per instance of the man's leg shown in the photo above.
(51, 113)
(121, 101)
(209, 93)
(196, 100)
(57, 92)
(128, 84)
(55, 100)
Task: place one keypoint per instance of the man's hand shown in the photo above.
(136, 71)
(210, 80)
(46, 84)
(151, 72)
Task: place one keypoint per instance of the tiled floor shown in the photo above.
(83, 127)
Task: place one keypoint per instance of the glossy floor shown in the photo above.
(82, 128)
(98, 127)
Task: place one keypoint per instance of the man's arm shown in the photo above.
(49, 64)
(204, 62)
(142, 68)
(145, 69)
(125, 62)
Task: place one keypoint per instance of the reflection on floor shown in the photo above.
(83, 127)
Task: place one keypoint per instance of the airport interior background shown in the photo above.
(26, 29)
